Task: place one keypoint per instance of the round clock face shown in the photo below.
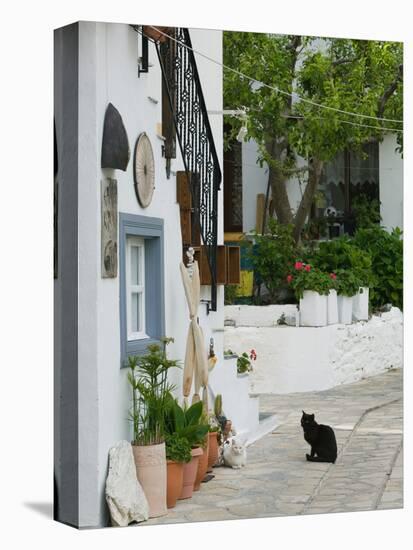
(144, 170)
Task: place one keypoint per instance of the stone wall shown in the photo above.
(297, 359)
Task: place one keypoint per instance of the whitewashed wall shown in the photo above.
(254, 181)
(391, 183)
(301, 359)
(108, 56)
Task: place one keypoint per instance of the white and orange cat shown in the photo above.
(235, 453)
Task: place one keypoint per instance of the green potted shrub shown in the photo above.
(186, 422)
(150, 395)
(178, 453)
(244, 365)
(271, 256)
(343, 254)
(332, 301)
(221, 419)
(311, 286)
(347, 284)
(214, 435)
(386, 251)
(203, 459)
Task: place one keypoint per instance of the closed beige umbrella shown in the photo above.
(196, 363)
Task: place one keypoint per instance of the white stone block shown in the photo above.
(124, 494)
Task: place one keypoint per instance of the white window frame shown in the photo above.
(139, 242)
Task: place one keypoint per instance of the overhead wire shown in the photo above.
(293, 94)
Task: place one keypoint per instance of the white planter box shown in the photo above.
(332, 308)
(313, 309)
(345, 309)
(361, 305)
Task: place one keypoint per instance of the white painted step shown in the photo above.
(237, 402)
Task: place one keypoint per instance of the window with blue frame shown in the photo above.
(141, 271)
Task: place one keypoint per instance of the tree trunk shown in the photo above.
(280, 200)
(277, 181)
(315, 168)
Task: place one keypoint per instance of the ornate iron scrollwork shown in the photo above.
(180, 74)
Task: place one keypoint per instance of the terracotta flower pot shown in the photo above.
(212, 450)
(150, 462)
(202, 468)
(175, 480)
(190, 471)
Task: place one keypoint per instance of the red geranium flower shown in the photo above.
(298, 265)
(333, 276)
(307, 267)
(289, 278)
(253, 354)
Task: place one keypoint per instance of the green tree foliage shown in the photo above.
(272, 256)
(386, 251)
(351, 75)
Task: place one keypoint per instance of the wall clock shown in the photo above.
(144, 170)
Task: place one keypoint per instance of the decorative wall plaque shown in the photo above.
(115, 143)
(109, 228)
(144, 170)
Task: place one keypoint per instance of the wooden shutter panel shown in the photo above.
(168, 125)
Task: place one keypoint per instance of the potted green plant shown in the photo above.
(203, 459)
(244, 365)
(213, 434)
(332, 303)
(150, 394)
(386, 252)
(178, 453)
(347, 284)
(362, 267)
(311, 286)
(186, 422)
(343, 254)
(220, 417)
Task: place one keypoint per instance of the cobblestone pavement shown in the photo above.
(277, 481)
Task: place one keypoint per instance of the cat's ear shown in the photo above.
(303, 412)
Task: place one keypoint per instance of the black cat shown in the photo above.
(321, 438)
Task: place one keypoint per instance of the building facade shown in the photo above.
(107, 310)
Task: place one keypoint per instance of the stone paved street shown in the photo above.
(278, 481)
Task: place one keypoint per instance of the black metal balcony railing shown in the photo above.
(194, 135)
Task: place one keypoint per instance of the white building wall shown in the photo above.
(254, 181)
(391, 183)
(108, 73)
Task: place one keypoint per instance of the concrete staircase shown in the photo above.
(239, 405)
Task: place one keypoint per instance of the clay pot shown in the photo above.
(212, 450)
(190, 471)
(150, 462)
(175, 480)
(202, 468)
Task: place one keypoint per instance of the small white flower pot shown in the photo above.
(361, 304)
(313, 309)
(332, 308)
(345, 309)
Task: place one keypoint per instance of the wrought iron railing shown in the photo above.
(196, 142)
